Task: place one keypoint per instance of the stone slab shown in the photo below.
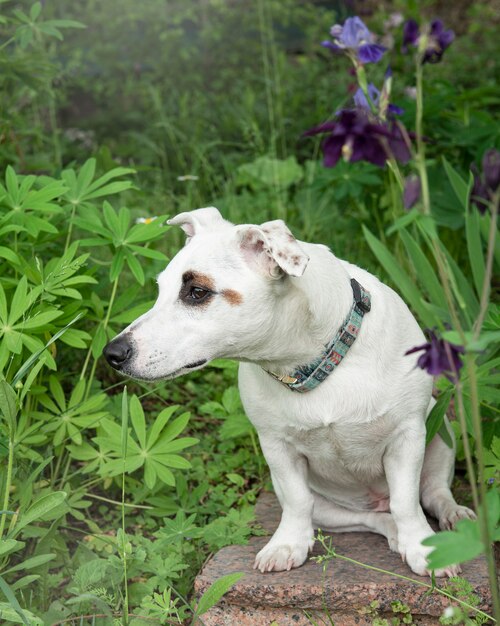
(345, 588)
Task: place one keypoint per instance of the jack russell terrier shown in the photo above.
(339, 409)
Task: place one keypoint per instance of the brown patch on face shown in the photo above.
(197, 289)
(233, 297)
(200, 280)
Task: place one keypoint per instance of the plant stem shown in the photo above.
(124, 553)
(483, 512)
(132, 506)
(478, 494)
(105, 326)
(8, 482)
(70, 228)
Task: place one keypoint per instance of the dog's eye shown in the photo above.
(198, 293)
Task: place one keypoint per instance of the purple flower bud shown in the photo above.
(491, 169)
(411, 192)
(438, 40)
(439, 357)
(411, 33)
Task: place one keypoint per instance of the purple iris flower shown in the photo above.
(438, 39)
(355, 37)
(487, 183)
(360, 100)
(439, 357)
(355, 136)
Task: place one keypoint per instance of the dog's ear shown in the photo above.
(193, 222)
(273, 248)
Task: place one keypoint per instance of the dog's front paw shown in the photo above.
(276, 557)
(415, 555)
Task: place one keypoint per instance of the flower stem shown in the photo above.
(479, 493)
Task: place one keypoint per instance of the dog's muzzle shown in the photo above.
(118, 352)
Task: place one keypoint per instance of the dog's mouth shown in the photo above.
(195, 364)
(168, 376)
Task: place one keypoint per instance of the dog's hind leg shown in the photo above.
(330, 516)
(437, 474)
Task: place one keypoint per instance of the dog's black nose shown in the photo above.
(118, 352)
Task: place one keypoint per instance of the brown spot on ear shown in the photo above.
(281, 255)
(233, 297)
(296, 259)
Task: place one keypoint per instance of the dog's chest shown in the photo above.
(342, 454)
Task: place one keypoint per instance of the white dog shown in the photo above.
(348, 455)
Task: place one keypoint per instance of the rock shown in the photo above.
(344, 588)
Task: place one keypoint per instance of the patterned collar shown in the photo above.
(308, 377)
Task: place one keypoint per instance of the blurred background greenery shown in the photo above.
(193, 94)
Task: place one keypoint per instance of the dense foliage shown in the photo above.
(116, 115)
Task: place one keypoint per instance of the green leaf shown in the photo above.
(85, 177)
(38, 320)
(175, 428)
(3, 306)
(20, 301)
(475, 249)
(460, 187)
(159, 424)
(215, 592)
(461, 286)
(9, 545)
(110, 218)
(117, 265)
(35, 11)
(135, 268)
(11, 184)
(424, 270)
(125, 423)
(27, 365)
(114, 173)
(108, 190)
(164, 474)
(452, 547)
(13, 612)
(41, 509)
(266, 171)
(435, 420)
(34, 561)
(99, 341)
(138, 421)
(57, 392)
(8, 405)
(400, 278)
(10, 255)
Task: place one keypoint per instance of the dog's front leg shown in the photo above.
(403, 465)
(294, 536)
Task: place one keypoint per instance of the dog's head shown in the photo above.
(215, 297)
